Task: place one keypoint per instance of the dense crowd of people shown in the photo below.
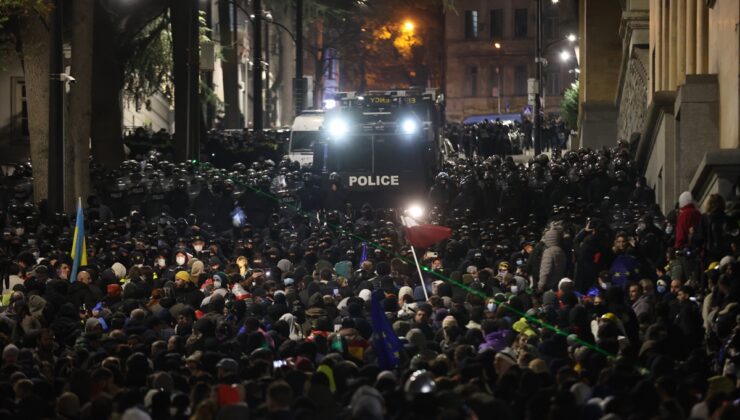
(222, 147)
(503, 138)
(563, 292)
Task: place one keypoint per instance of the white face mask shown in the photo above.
(161, 262)
(180, 260)
(198, 248)
(491, 307)
(514, 289)
(19, 231)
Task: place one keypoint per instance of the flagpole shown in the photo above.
(77, 244)
(418, 269)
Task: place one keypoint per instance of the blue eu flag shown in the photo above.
(384, 340)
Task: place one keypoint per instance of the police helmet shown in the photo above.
(419, 383)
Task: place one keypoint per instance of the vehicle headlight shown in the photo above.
(338, 128)
(409, 126)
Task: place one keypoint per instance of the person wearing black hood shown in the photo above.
(591, 254)
(177, 200)
(336, 196)
(469, 197)
(441, 193)
(98, 210)
(66, 324)
(367, 218)
(83, 292)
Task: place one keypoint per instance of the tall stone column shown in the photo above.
(680, 42)
(702, 37)
(655, 38)
(690, 36)
(664, 28)
(672, 44)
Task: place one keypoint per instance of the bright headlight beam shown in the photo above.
(338, 127)
(409, 126)
(415, 211)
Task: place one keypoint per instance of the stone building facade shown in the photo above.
(633, 93)
(489, 55)
(675, 95)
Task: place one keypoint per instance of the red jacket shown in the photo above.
(688, 217)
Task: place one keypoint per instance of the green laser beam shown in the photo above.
(441, 276)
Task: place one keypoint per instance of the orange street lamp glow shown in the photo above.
(497, 45)
(408, 26)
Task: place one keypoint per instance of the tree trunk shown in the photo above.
(185, 61)
(35, 49)
(107, 85)
(229, 67)
(77, 146)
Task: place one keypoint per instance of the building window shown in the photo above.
(471, 24)
(331, 64)
(471, 81)
(520, 23)
(18, 110)
(520, 80)
(495, 81)
(497, 24)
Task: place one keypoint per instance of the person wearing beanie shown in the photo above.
(182, 277)
(689, 218)
(186, 292)
(10, 354)
(565, 285)
(119, 270)
(504, 360)
(368, 403)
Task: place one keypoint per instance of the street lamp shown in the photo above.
(408, 26)
(564, 56)
(571, 37)
(539, 62)
(497, 45)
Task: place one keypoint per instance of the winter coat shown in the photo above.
(590, 260)
(80, 293)
(553, 265)
(714, 228)
(689, 217)
(642, 305)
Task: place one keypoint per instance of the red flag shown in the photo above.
(424, 236)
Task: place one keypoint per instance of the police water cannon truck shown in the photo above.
(385, 146)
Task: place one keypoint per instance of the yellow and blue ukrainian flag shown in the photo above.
(79, 248)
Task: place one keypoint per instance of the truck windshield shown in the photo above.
(303, 141)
